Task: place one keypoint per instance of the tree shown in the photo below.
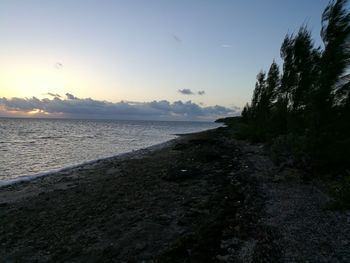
(309, 104)
(268, 93)
(246, 112)
(272, 84)
(335, 58)
(305, 59)
(259, 87)
(299, 79)
(288, 79)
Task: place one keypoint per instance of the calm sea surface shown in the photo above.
(32, 146)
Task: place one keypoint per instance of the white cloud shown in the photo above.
(226, 46)
(58, 65)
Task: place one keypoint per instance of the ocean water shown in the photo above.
(32, 146)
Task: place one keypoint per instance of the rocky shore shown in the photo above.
(204, 197)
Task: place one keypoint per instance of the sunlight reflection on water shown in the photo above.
(30, 146)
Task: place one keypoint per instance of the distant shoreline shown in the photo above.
(101, 119)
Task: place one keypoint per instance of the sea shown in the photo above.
(33, 147)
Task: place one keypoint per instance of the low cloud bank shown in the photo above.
(74, 107)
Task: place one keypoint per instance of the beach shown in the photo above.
(203, 197)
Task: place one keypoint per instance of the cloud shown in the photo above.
(70, 96)
(177, 39)
(58, 65)
(190, 92)
(73, 107)
(186, 91)
(53, 94)
(226, 46)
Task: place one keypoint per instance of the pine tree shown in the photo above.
(272, 84)
(335, 59)
(310, 102)
(259, 87)
(288, 80)
(246, 113)
(305, 67)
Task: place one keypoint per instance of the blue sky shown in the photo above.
(143, 51)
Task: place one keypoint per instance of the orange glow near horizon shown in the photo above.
(29, 76)
(32, 113)
(33, 82)
(36, 111)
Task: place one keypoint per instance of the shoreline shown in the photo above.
(203, 197)
(88, 164)
(38, 161)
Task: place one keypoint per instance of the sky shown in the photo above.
(193, 59)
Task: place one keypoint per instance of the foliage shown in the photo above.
(304, 111)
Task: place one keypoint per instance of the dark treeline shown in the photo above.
(304, 107)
